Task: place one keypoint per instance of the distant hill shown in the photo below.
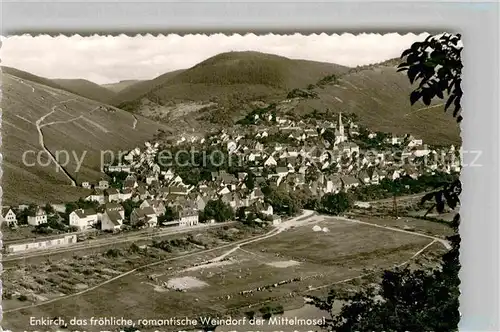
(140, 88)
(86, 89)
(225, 87)
(76, 125)
(23, 75)
(235, 77)
(119, 86)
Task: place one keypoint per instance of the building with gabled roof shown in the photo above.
(83, 219)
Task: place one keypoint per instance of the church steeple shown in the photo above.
(341, 127)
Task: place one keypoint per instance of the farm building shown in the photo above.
(40, 244)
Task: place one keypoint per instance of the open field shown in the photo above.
(279, 269)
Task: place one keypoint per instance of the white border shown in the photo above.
(478, 24)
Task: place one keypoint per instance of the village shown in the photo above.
(259, 165)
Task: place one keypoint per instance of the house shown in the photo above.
(375, 179)
(350, 182)
(86, 185)
(103, 185)
(8, 216)
(270, 161)
(201, 202)
(333, 184)
(276, 220)
(281, 171)
(364, 177)
(414, 142)
(188, 217)
(83, 219)
(169, 175)
(113, 195)
(395, 140)
(256, 194)
(38, 217)
(130, 184)
(157, 206)
(264, 208)
(126, 194)
(146, 216)
(96, 196)
(142, 193)
(112, 220)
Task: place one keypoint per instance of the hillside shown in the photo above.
(232, 78)
(67, 122)
(140, 88)
(86, 89)
(379, 95)
(119, 86)
(224, 88)
(23, 75)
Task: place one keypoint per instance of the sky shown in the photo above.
(109, 59)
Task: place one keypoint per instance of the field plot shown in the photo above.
(438, 229)
(279, 269)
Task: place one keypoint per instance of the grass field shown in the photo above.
(279, 269)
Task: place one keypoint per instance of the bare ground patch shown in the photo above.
(185, 283)
(283, 264)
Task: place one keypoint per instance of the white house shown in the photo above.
(112, 220)
(83, 219)
(38, 218)
(270, 161)
(188, 217)
(8, 216)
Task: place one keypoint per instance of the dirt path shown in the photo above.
(44, 147)
(423, 109)
(135, 122)
(445, 243)
(39, 127)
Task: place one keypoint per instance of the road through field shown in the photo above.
(445, 243)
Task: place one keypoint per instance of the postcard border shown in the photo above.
(477, 22)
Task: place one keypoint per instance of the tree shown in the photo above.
(335, 204)
(448, 195)
(437, 64)
(218, 210)
(422, 299)
(49, 209)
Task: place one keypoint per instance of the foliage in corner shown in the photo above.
(436, 64)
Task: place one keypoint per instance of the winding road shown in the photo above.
(44, 147)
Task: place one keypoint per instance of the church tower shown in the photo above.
(341, 128)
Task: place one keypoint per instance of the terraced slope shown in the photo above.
(37, 118)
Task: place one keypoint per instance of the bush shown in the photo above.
(22, 298)
(112, 253)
